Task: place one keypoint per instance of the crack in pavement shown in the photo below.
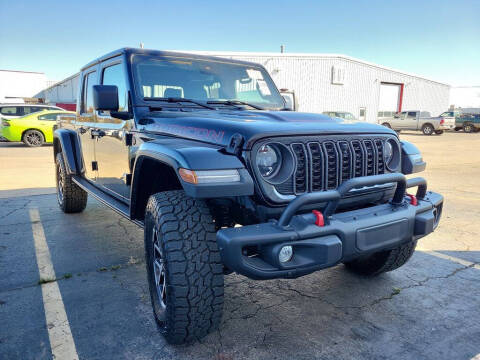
(22, 207)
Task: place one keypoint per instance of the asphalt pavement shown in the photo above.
(79, 282)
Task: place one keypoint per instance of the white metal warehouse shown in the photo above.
(328, 82)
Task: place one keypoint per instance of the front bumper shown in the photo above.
(253, 250)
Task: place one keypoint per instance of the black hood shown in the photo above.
(217, 126)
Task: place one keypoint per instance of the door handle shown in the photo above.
(97, 133)
(82, 130)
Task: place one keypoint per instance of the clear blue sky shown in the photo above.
(436, 39)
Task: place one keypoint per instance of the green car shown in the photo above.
(33, 129)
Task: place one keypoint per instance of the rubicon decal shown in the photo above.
(191, 131)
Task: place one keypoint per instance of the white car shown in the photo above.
(11, 111)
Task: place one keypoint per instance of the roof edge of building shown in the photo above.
(309, 55)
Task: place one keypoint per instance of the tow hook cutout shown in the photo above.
(319, 220)
(413, 199)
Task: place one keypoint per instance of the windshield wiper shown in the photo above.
(179, 100)
(234, 102)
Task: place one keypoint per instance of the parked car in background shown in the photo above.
(419, 121)
(11, 111)
(33, 129)
(468, 122)
(343, 115)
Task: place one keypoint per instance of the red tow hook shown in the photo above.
(319, 220)
(413, 199)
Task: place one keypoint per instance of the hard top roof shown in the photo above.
(130, 51)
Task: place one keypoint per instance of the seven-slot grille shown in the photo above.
(324, 165)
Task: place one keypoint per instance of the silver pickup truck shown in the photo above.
(419, 121)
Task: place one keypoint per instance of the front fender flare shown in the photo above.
(196, 158)
(67, 140)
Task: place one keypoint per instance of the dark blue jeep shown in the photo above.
(207, 157)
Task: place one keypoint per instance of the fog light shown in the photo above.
(285, 254)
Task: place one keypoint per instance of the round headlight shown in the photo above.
(388, 152)
(268, 160)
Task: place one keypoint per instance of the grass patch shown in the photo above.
(67, 276)
(103, 268)
(396, 291)
(115, 267)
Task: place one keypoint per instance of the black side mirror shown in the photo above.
(105, 97)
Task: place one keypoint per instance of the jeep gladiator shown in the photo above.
(419, 121)
(203, 154)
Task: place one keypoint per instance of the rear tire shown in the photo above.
(185, 272)
(33, 138)
(458, 128)
(71, 198)
(382, 261)
(468, 128)
(427, 129)
(439, 132)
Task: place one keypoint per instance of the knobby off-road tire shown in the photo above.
(33, 138)
(185, 272)
(71, 198)
(383, 261)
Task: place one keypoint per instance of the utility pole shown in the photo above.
(282, 49)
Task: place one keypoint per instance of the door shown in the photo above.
(398, 120)
(111, 151)
(46, 123)
(363, 114)
(410, 122)
(85, 123)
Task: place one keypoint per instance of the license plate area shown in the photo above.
(382, 235)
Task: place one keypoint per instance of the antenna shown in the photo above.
(282, 49)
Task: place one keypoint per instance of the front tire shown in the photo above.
(427, 129)
(33, 138)
(439, 132)
(185, 272)
(71, 198)
(382, 261)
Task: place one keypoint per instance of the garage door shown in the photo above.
(389, 97)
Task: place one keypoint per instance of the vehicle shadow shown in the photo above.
(20, 144)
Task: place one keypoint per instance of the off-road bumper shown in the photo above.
(253, 250)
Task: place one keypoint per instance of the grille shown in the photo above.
(324, 165)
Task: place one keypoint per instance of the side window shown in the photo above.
(412, 114)
(10, 110)
(51, 117)
(115, 75)
(87, 103)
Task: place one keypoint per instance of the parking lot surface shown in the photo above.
(94, 303)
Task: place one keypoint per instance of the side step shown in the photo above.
(106, 199)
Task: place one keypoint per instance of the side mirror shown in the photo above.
(105, 97)
(290, 100)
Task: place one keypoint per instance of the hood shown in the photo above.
(217, 127)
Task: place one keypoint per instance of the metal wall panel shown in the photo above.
(311, 78)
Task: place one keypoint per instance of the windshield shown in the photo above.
(204, 80)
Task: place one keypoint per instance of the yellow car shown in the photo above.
(33, 129)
